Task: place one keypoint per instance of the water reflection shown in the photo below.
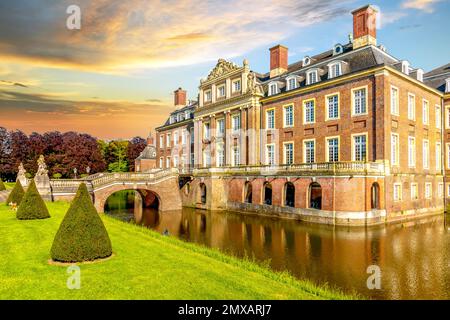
(413, 256)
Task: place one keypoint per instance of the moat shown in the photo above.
(414, 257)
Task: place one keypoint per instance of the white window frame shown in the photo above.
(447, 155)
(234, 83)
(285, 157)
(270, 121)
(438, 152)
(304, 150)
(353, 145)
(426, 154)
(397, 195)
(289, 85)
(366, 98)
(411, 107)
(175, 161)
(236, 155)
(183, 137)
(161, 141)
(313, 100)
(309, 74)
(161, 162)
(395, 153)
(233, 123)
(273, 88)
(168, 165)
(412, 153)
(327, 106)
(220, 155)
(395, 101)
(428, 190)
(438, 115)
(285, 107)
(220, 127)
(208, 95)
(175, 138)
(327, 150)
(168, 138)
(414, 191)
(440, 189)
(219, 88)
(270, 161)
(334, 69)
(206, 130)
(425, 112)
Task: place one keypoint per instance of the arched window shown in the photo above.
(375, 196)
(289, 194)
(203, 193)
(267, 193)
(315, 196)
(248, 194)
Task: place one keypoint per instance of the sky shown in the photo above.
(114, 77)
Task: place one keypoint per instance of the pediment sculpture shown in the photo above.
(222, 67)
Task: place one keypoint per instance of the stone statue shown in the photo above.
(42, 167)
(252, 85)
(21, 175)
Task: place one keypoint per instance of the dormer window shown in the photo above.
(334, 70)
(420, 75)
(273, 88)
(187, 114)
(291, 83)
(405, 67)
(312, 77)
(338, 49)
(221, 91)
(208, 96)
(172, 119)
(306, 61)
(447, 85)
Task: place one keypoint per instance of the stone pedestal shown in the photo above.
(43, 186)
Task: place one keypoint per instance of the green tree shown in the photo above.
(117, 156)
(16, 194)
(2, 186)
(32, 206)
(82, 235)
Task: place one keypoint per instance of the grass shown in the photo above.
(145, 265)
(9, 185)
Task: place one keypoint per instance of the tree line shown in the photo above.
(67, 155)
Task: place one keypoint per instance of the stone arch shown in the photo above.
(248, 192)
(375, 196)
(315, 196)
(289, 194)
(267, 193)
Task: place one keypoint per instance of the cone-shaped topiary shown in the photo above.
(2, 186)
(16, 194)
(32, 206)
(82, 235)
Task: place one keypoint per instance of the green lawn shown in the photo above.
(9, 185)
(145, 265)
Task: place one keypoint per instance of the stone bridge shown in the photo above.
(162, 185)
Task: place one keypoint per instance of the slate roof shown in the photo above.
(436, 77)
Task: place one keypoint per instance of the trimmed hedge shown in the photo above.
(2, 186)
(32, 206)
(16, 194)
(82, 236)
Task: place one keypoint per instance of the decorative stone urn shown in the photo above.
(42, 179)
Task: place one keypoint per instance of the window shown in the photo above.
(440, 190)
(161, 141)
(206, 131)
(270, 154)
(411, 152)
(394, 101)
(309, 112)
(221, 91)
(236, 153)
(359, 147)
(359, 101)
(414, 191)
(236, 86)
(236, 122)
(334, 70)
(220, 156)
(288, 152)
(220, 127)
(438, 116)
(426, 153)
(332, 149)
(397, 192)
(168, 162)
(183, 161)
(192, 158)
(428, 190)
(291, 83)
(438, 156)
(289, 116)
(187, 114)
(175, 138)
(448, 155)
(273, 89)
(270, 119)
(183, 137)
(208, 96)
(161, 162)
(309, 151)
(168, 140)
(411, 106)
(192, 135)
(332, 103)
(311, 77)
(425, 112)
(394, 149)
(175, 161)
(206, 158)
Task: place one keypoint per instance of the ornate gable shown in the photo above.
(222, 67)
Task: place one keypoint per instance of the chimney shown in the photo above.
(364, 26)
(180, 97)
(150, 140)
(278, 60)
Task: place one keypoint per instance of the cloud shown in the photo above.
(423, 5)
(11, 83)
(118, 35)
